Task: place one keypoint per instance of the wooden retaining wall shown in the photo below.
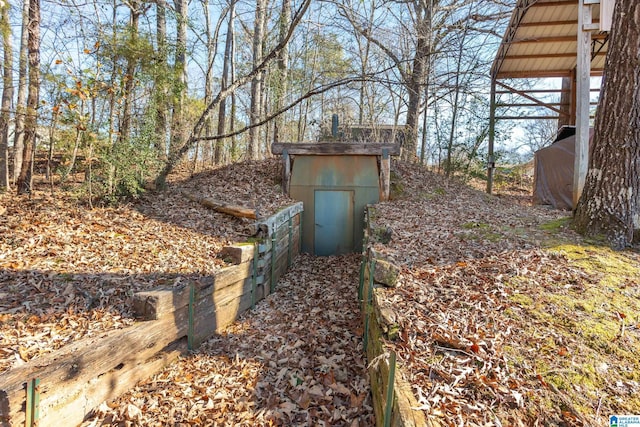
(387, 378)
(78, 377)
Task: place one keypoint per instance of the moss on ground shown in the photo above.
(479, 231)
(583, 327)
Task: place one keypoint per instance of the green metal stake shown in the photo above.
(300, 233)
(372, 266)
(254, 279)
(365, 339)
(192, 309)
(367, 305)
(273, 261)
(290, 242)
(361, 284)
(390, 388)
(32, 413)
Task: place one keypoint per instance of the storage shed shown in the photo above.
(335, 181)
(553, 171)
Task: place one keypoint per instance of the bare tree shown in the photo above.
(180, 69)
(25, 178)
(224, 81)
(135, 10)
(21, 102)
(175, 157)
(7, 95)
(412, 76)
(257, 82)
(610, 202)
(281, 75)
(160, 92)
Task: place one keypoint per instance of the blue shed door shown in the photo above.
(333, 214)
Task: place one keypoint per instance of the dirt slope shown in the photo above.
(507, 316)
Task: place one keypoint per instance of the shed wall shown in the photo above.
(357, 174)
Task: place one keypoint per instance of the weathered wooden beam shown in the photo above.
(583, 84)
(223, 207)
(78, 364)
(158, 303)
(553, 3)
(76, 404)
(404, 412)
(286, 171)
(385, 175)
(334, 148)
(277, 220)
(237, 254)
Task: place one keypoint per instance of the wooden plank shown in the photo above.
(583, 84)
(223, 207)
(606, 14)
(151, 305)
(403, 414)
(275, 221)
(82, 361)
(213, 318)
(237, 254)
(385, 175)
(286, 171)
(334, 148)
(264, 228)
(79, 402)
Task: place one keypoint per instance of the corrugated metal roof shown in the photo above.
(541, 41)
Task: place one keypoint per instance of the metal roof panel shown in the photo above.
(541, 40)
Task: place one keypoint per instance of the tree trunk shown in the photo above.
(364, 52)
(177, 122)
(256, 82)
(425, 117)
(414, 85)
(7, 96)
(610, 202)
(31, 123)
(455, 107)
(224, 82)
(209, 79)
(565, 117)
(21, 102)
(52, 145)
(129, 77)
(160, 93)
(282, 73)
(232, 113)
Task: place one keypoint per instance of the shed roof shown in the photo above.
(335, 148)
(541, 41)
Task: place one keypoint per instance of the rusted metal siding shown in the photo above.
(357, 174)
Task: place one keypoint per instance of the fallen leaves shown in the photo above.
(495, 329)
(294, 360)
(494, 326)
(76, 269)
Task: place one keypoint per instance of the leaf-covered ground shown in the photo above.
(508, 317)
(295, 360)
(67, 271)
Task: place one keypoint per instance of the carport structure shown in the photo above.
(551, 39)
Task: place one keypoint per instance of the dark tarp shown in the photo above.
(553, 171)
